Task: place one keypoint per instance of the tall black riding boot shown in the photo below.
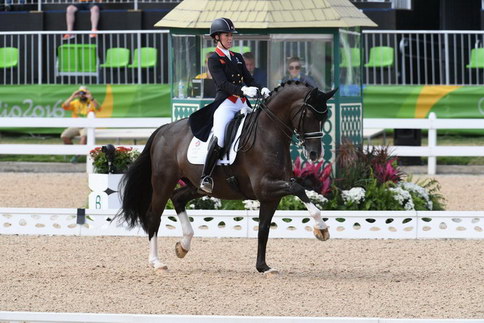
(206, 184)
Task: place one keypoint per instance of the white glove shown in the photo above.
(250, 91)
(265, 92)
(245, 110)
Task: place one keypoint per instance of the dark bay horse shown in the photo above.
(263, 172)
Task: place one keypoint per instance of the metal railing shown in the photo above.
(12, 4)
(418, 57)
(426, 57)
(45, 58)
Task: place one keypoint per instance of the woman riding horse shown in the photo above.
(262, 170)
(229, 73)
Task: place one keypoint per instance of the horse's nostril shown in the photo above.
(313, 155)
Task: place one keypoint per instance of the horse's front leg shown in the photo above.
(266, 212)
(320, 229)
(282, 188)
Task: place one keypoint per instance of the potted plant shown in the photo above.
(109, 163)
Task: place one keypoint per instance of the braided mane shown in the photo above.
(286, 85)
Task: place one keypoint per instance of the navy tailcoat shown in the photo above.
(229, 76)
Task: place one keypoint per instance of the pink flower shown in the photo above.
(386, 172)
(325, 179)
(297, 167)
(312, 176)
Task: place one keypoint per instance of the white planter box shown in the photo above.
(104, 193)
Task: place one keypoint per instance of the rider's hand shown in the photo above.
(250, 91)
(245, 110)
(265, 92)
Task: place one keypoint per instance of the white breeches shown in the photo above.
(222, 116)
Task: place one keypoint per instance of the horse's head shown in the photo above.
(299, 108)
(314, 113)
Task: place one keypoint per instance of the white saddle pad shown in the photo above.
(197, 150)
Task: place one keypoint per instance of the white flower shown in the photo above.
(217, 203)
(251, 204)
(355, 195)
(316, 198)
(403, 197)
(419, 190)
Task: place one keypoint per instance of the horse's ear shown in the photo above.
(313, 92)
(330, 94)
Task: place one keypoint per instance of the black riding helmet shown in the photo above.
(222, 25)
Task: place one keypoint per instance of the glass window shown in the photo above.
(185, 64)
(350, 63)
(307, 58)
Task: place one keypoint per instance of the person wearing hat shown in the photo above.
(234, 84)
(80, 103)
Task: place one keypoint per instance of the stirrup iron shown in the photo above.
(206, 185)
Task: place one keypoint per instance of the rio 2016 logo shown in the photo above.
(29, 109)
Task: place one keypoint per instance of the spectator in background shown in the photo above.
(259, 75)
(80, 103)
(92, 6)
(295, 74)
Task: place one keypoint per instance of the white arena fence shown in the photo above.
(136, 128)
(34, 317)
(116, 128)
(432, 150)
(244, 224)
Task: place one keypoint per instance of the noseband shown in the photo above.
(301, 137)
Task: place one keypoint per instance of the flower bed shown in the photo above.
(366, 180)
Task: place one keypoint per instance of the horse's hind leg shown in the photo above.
(162, 188)
(180, 199)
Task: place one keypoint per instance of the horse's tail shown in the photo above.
(136, 188)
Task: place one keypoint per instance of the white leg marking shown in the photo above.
(153, 260)
(316, 214)
(187, 230)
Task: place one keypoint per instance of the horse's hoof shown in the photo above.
(321, 234)
(180, 252)
(271, 273)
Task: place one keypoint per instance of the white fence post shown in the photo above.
(91, 141)
(432, 138)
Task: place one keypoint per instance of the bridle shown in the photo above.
(300, 136)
